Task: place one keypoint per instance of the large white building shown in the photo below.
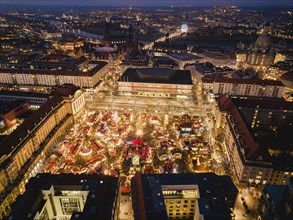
(87, 79)
(243, 87)
(156, 82)
(25, 149)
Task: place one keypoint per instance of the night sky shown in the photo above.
(251, 3)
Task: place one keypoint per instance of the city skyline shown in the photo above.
(200, 3)
(141, 110)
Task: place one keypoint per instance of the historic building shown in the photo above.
(243, 87)
(255, 135)
(31, 77)
(156, 82)
(261, 53)
(24, 150)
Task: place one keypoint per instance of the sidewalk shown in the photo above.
(125, 209)
(251, 199)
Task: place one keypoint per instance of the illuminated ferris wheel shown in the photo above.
(184, 28)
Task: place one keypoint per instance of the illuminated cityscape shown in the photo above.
(141, 110)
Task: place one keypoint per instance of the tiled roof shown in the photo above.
(252, 150)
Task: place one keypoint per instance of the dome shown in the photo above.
(263, 41)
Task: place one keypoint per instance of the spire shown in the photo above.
(106, 32)
(130, 33)
(167, 37)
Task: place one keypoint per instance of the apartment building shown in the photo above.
(24, 150)
(87, 79)
(255, 152)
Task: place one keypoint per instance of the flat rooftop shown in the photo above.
(89, 73)
(99, 202)
(185, 56)
(212, 189)
(157, 75)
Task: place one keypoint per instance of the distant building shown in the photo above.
(69, 43)
(256, 136)
(183, 59)
(163, 48)
(164, 62)
(219, 58)
(261, 54)
(108, 39)
(67, 196)
(136, 59)
(156, 82)
(182, 196)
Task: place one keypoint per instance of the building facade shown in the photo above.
(35, 99)
(252, 160)
(152, 82)
(244, 87)
(87, 79)
(25, 149)
(261, 53)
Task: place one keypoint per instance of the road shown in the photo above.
(172, 35)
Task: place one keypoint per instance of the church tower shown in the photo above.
(106, 33)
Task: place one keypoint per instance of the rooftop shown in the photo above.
(13, 141)
(66, 90)
(98, 205)
(264, 103)
(23, 94)
(185, 56)
(10, 106)
(149, 199)
(253, 142)
(278, 193)
(89, 73)
(157, 75)
(251, 150)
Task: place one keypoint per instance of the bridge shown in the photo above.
(161, 39)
